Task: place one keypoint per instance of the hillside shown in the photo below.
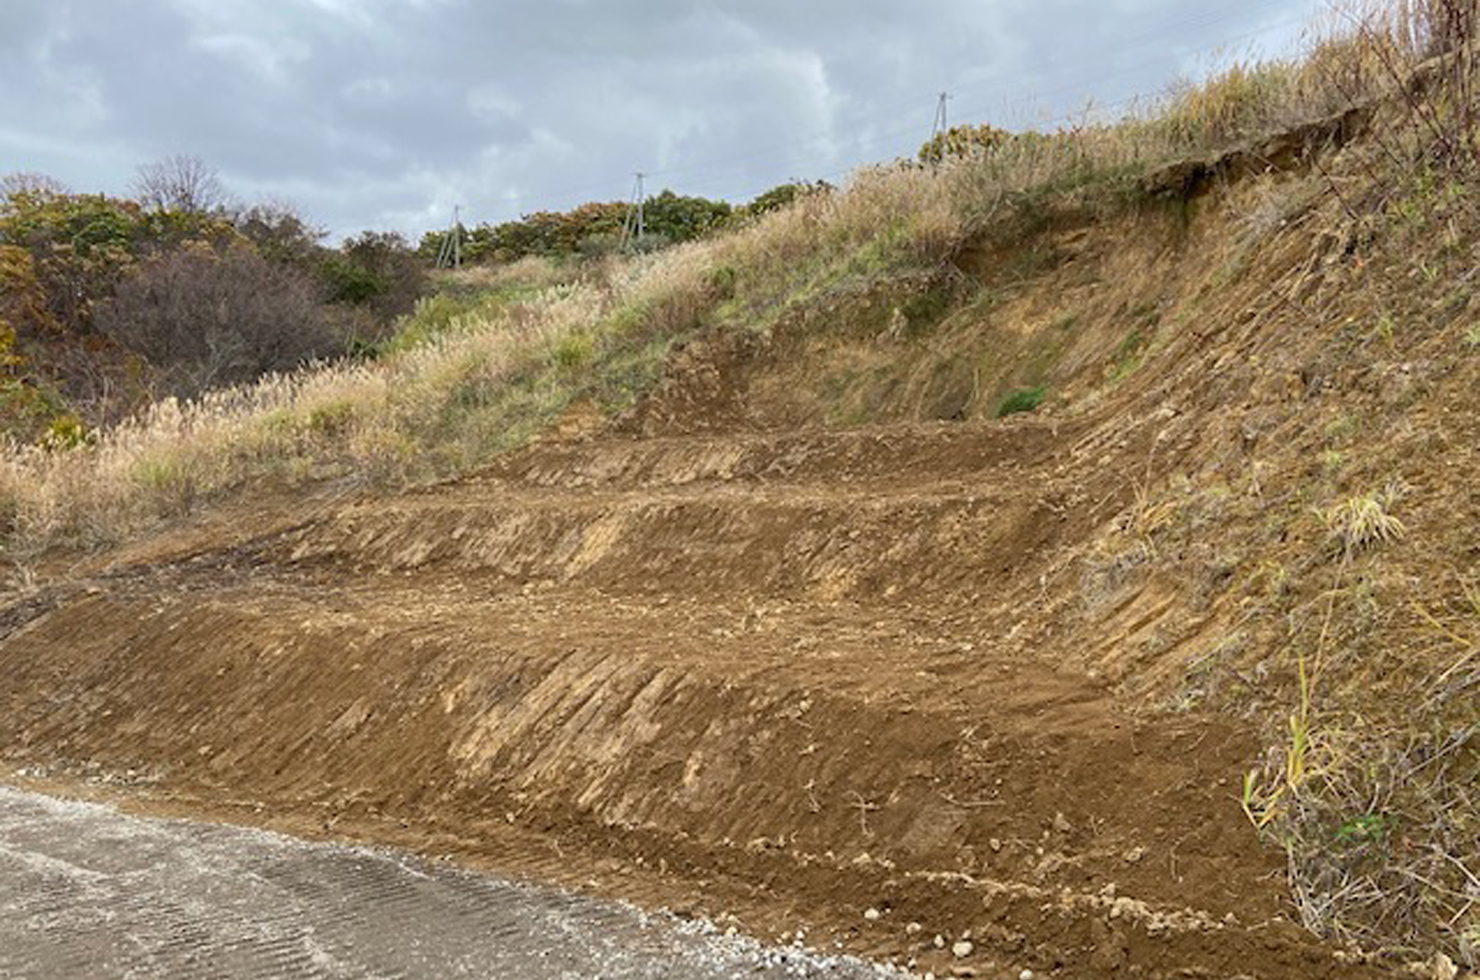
(1069, 551)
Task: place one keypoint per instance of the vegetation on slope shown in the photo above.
(109, 304)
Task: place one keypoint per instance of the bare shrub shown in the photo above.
(210, 318)
(180, 183)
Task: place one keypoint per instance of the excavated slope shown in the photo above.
(784, 673)
(727, 658)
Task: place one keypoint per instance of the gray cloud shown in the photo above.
(386, 113)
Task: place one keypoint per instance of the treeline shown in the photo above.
(600, 227)
(109, 303)
(596, 228)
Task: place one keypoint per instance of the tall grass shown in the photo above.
(490, 363)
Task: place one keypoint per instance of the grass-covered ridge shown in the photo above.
(482, 367)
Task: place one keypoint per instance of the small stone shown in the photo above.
(871, 914)
(1026, 975)
(1061, 823)
(962, 949)
(1134, 855)
(913, 929)
(940, 941)
(995, 845)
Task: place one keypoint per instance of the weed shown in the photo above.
(1369, 828)
(65, 432)
(1129, 356)
(1472, 336)
(331, 418)
(1022, 400)
(574, 351)
(1362, 521)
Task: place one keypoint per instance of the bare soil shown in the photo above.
(743, 656)
(784, 677)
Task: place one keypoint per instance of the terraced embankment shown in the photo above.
(786, 677)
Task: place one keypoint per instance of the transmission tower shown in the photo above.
(941, 124)
(635, 224)
(450, 254)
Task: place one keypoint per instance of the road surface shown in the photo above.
(88, 892)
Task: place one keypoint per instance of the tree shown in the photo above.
(180, 183)
(281, 233)
(24, 182)
(376, 270)
(209, 318)
(679, 218)
(783, 195)
(962, 141)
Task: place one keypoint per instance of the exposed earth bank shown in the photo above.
(791, 678)
(973, 693)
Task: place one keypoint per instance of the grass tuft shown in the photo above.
(1022, 400)
(1364, 521)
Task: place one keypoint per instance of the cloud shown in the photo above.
(375, 113)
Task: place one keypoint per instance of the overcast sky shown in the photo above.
(386, 113)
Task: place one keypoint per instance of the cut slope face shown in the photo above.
(1003, 677)
(791, 671)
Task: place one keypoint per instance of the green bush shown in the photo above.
(962, 141)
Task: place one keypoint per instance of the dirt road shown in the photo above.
(88, 892)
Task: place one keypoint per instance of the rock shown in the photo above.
(1061, 824)
(995, 845)
(962, 949)
(913, 929)
(1026, 975)
(940, 941)
(871, 914)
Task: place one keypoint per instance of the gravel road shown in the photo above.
(88, 892)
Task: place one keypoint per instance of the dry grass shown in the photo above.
(424, 412)
(491, 373)
(1363, 521)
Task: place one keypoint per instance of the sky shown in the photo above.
(388, 114)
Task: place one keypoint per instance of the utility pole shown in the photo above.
(457, 236)
(450, 254)
(941, 124)
(635, 224)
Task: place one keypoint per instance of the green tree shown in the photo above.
(679, 218)
(962, 141)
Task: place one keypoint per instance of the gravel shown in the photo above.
(88, 891)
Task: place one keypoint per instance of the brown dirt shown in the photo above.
(725, 658)
(783, 676)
